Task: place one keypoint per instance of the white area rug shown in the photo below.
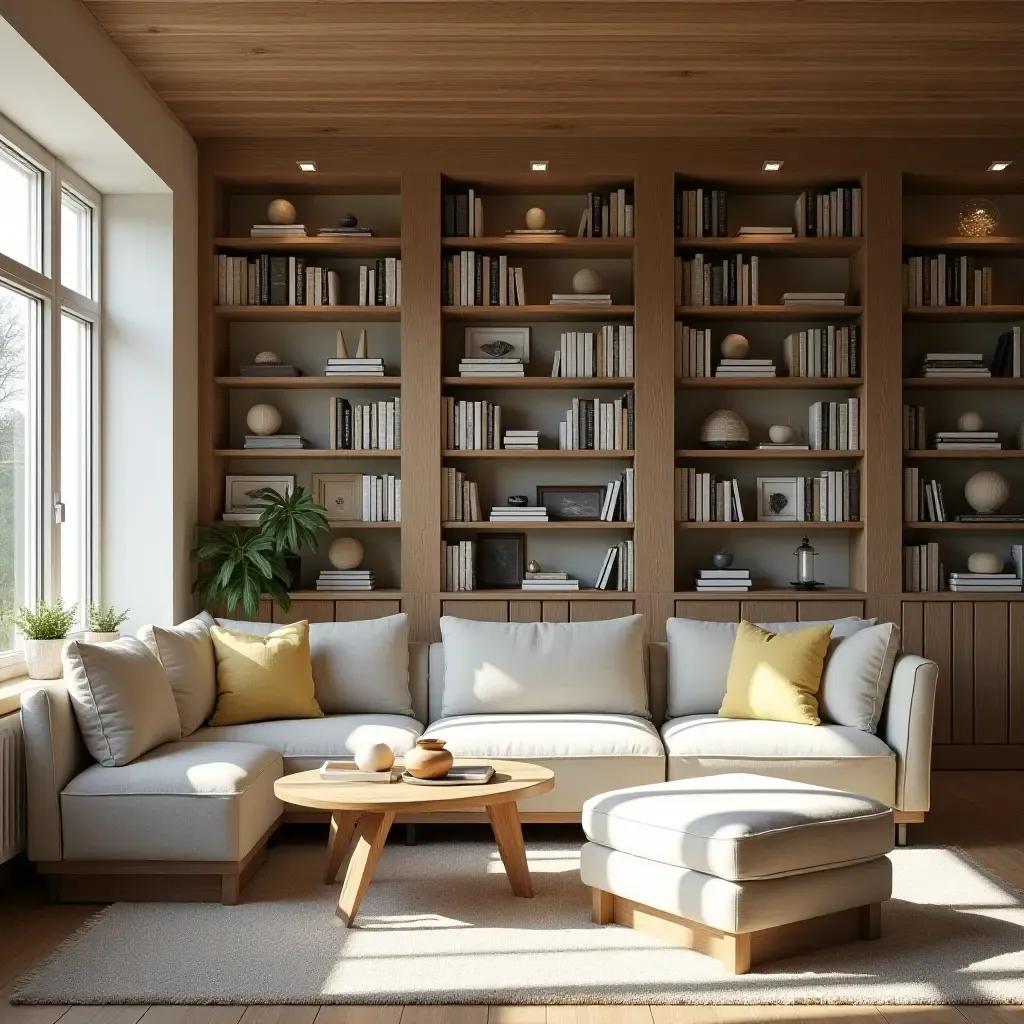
(440, 925)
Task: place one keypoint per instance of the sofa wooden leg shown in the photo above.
(230, 888)
(734, 952)
(869, 921)
(602, 906)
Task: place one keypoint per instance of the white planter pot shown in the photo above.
(101, 638)
(43, 658)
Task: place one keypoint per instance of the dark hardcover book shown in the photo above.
(854, 349)
(854, 495)
(379, 272)
(447, 272)
(462, 215)
(489, 439)
(705, 213)
(971, 298)
(596, 220)
(723, 220)
(448, 216)
(811, 213)
(926, 281)
(948, 284)
(494, 284)
(478, 279)
(953, 299)
(630, 420)
(1002, 365)
(732, 281)
(300, 280)
(325, 287)
(847, 194)
(716, 287)
(808, 498)
(279, 280)
(588, 425)
(264, 262)
(679, 213)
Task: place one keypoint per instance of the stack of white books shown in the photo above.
(581, 300)
(814, 298)
(954, 364)
(277, 231)
(561, 582)
(745, 368)
(723, 580)
(521, 440)
(984, 582)
(274, 441)
(774, 232)
(345, 579)
(519, 514)
(474, 367)
(967, 440)
(337, 367)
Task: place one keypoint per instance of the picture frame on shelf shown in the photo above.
(575, 502)
(239, 488)
(341, 494)
(777, 499)
(500, 558)
(491, 342)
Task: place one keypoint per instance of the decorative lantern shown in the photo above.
(805, 555)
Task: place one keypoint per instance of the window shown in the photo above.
(49, 334)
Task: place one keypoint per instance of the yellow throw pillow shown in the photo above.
(775, 677)
(263, 677)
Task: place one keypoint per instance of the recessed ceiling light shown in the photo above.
(771, 165)
(999, 165)
(538, 165)
(307, 165)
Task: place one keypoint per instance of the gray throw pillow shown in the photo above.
(186, 653)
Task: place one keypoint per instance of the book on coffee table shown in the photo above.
(460, 775)
(346, 771)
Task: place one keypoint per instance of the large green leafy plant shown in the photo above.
(292, 521)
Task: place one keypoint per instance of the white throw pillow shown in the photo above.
(358, 667)
(857, 676)
(186, 653)
(544, 667)
(699, 653)
(122, 699)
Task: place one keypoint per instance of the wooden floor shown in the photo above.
(983, 812)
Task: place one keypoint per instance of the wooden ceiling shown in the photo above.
(580, 67)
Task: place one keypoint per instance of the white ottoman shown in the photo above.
(742, 867)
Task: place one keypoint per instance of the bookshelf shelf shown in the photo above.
(538, 383)
(337, 247)
(964, 383)
(306, 453)
(307, 383)
(957, 453)
(307, 314)
(566, 246)
(542, 453)
(755, 453)
(765, 244)
(755, 525)
(549, 314)
(968, 527)
(576, 524)
(784, 313)
(517, 594)
(768, 383)
(994, 245)
(969, 314)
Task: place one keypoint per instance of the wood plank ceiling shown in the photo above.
(580, 67)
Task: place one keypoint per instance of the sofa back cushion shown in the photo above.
(122, 699)
(538, 667)
(186, 653)
(358, 667)
(699, 654)
(857, 677)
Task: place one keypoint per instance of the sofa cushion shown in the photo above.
(307, 743)
(122, 699)
(741, 826)
(537, 667)
(358, 667)
(699, 654)
(831, 755)
(857, 677)
(186, 653)
(181, 801)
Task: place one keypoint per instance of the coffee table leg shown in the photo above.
(343, 827)
(509, 836)
(371, 835)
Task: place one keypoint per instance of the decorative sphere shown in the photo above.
(377, 757)
(721, 559)
(280, 211)
(267, 359)
(536, 218)
(977, 218)
(533, 565)
(724, 429)
(986, 491)
(348, 220)
(735, 346)
(985, 561)
(780, 433)
(345, 553)
(586, 282)
(263, 419)
(970, 421)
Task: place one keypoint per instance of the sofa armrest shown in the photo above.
(54, 755)
(906, 727)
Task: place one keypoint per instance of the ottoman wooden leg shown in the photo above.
(602, 906)
(869, 921)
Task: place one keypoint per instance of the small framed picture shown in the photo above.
(239, 491)
(580, 501)
(341, 494)
(498, 343)
(778, 499)
(500, 559)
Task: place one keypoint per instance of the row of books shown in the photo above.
(608, 215)
(274, 281)
(594, 425)
(693, 351)
(500, 366)
(723, 581)
(370, 427)
(470, 425)
(915, 428)
(923, 572)
(704, 498)
(923, 501)
(922, 568)
(828, 213)
(831, 351)
(382, 498)
(462, 215)
(728, 281)
(831, 497)
(475, 279)
(458, 565)
(618, 569)
(606, 353)
(381, 284)
(620, 499)
(460, 497)
(946, 280)
(346, 579)
(701, 213)
(835, 426)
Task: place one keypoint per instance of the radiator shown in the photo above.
(12, 788)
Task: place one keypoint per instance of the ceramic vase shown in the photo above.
(92, 637)
(428, 760)
(43, 658)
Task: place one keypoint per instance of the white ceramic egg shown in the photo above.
(780, 433)
(377, 757)
(970, 421)
(985, 561)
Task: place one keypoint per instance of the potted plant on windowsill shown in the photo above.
(46, 628)
(103, 624)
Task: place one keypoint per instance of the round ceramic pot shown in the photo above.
(428, 760)
(100, 638)
(43, 658)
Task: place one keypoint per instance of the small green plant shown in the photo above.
(46, 621)
(105, 620)
(291, 521)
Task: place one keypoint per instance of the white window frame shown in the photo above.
(56, 299)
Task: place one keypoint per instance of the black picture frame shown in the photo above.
(575, 502)
(500, 558)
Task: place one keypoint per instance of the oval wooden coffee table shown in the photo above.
(362, 813)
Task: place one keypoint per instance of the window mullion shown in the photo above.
(49, 528)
